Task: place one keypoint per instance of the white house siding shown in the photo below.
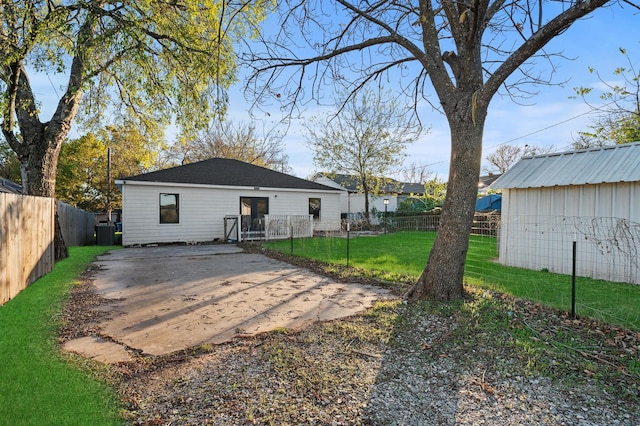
(282, 202)
(354, 203)
(329, 211)
(539, 226)
(202, 210)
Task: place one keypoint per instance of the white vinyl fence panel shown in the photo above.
(278, 227)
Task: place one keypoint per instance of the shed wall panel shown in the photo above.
(539, 226)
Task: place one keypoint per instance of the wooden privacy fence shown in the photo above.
(26, 232)
(78, 226)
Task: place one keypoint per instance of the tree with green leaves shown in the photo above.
(618, 114)
(467, 50)
(365, 139)
(9, 164)
(154, 60)
(81, 178)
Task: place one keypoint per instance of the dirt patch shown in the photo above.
(86, 310)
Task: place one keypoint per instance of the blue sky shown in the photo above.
(550, 118)
(592, 42)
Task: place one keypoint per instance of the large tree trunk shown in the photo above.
(39, 178)
(365, 189)
(442, 278)
(40, 143)
(40, 166)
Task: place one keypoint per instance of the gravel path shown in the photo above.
(477, 388)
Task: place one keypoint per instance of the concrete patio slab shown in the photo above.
(98, 349)
(171, 298)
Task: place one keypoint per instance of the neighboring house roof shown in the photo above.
(11, 187)
(412, 188)
(226, 172)
(611, 164)
(349, 183)
(487, 180)
(392, 186)
(326, 181)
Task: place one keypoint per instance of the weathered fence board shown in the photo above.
(26, 232)
(78, 226)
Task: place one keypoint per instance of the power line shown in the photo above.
(542, 130)
(520, 137)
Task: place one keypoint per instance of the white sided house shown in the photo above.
(352, 199)
(589, 196)
(223, 199)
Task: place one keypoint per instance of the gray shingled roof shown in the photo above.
(487, 180)
(412, 188)
(611, 164)
(227, 172)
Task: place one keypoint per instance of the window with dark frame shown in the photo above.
(314, 208)
(169, 208)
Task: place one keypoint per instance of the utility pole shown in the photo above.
(108, 186)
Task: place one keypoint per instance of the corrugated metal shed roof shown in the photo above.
(611, 164)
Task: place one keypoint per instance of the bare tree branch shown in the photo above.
(538, 40)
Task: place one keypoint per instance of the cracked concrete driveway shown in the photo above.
(174, 297)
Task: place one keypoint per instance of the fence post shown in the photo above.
(267, 225)
(348, 240)
(573, 283)
(291, 240)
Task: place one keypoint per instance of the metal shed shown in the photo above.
(589, 196)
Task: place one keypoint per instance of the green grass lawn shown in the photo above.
(402, 257)
(37, 385)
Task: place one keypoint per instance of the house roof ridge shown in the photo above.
(227, 172)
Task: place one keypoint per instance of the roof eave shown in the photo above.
(121, 182)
